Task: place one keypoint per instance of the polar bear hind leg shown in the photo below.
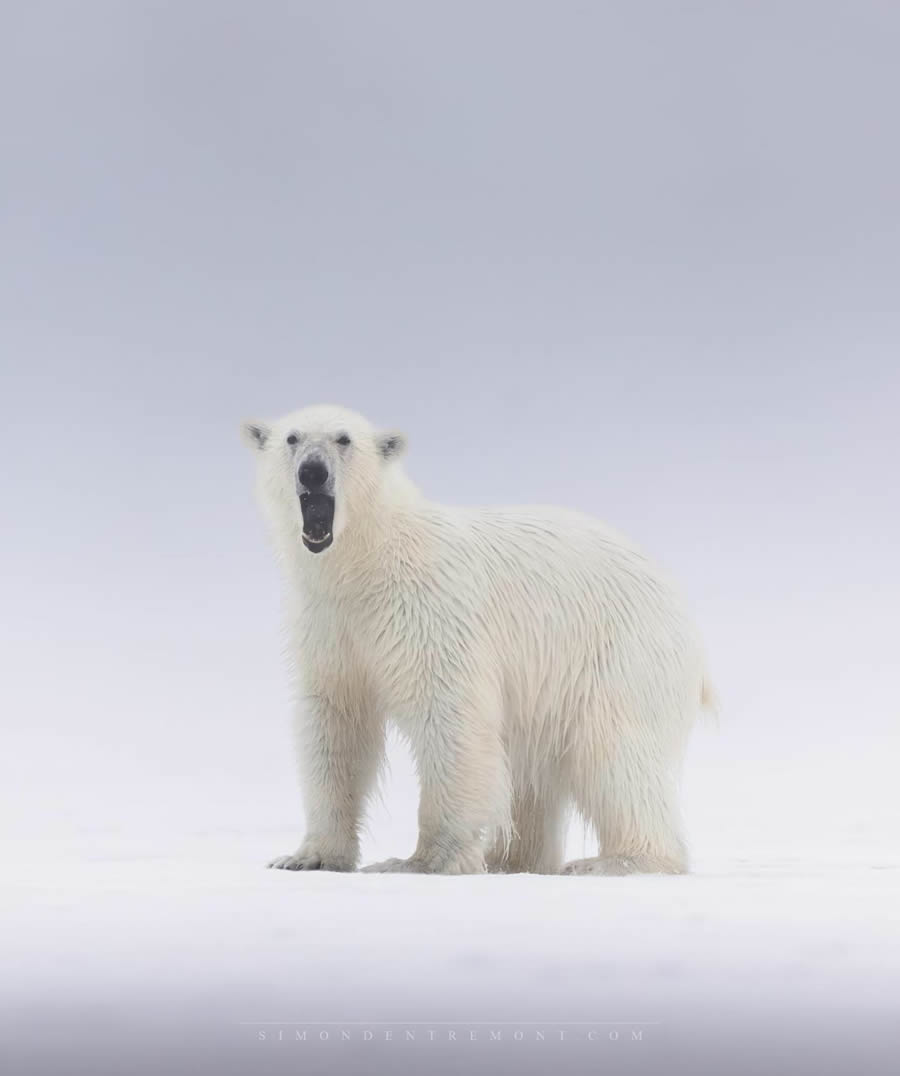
(629, 799)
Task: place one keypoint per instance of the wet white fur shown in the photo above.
(533, 658)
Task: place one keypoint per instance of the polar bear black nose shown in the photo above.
(313, 473)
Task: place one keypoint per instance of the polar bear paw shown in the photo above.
(305, 860)
(618, 866)
(457, 863)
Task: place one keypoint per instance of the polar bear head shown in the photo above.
(321, 470)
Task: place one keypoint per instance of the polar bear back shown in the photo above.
(565, 618)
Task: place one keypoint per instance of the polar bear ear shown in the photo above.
(256, 434)
(391, 444)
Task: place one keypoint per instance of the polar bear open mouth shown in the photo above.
(310, 541)
(318, 519)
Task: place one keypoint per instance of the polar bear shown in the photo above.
(534, 660)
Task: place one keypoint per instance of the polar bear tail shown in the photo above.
(709, 700)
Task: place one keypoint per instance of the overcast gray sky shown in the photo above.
(636, 258)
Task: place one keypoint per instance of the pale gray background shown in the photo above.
(640, 259)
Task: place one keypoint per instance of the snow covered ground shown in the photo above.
(154, 950)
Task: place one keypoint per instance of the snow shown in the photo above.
(152, 950)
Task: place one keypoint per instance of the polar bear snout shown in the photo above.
(318, 520)
(315, 487)
(313, 474)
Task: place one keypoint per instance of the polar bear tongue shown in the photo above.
(318, 518)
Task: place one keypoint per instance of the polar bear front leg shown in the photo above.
(465, 792)
(340, 753)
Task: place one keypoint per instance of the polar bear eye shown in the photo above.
(292, 439)
(343, 440)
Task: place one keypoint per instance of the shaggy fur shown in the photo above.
(534, 660)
